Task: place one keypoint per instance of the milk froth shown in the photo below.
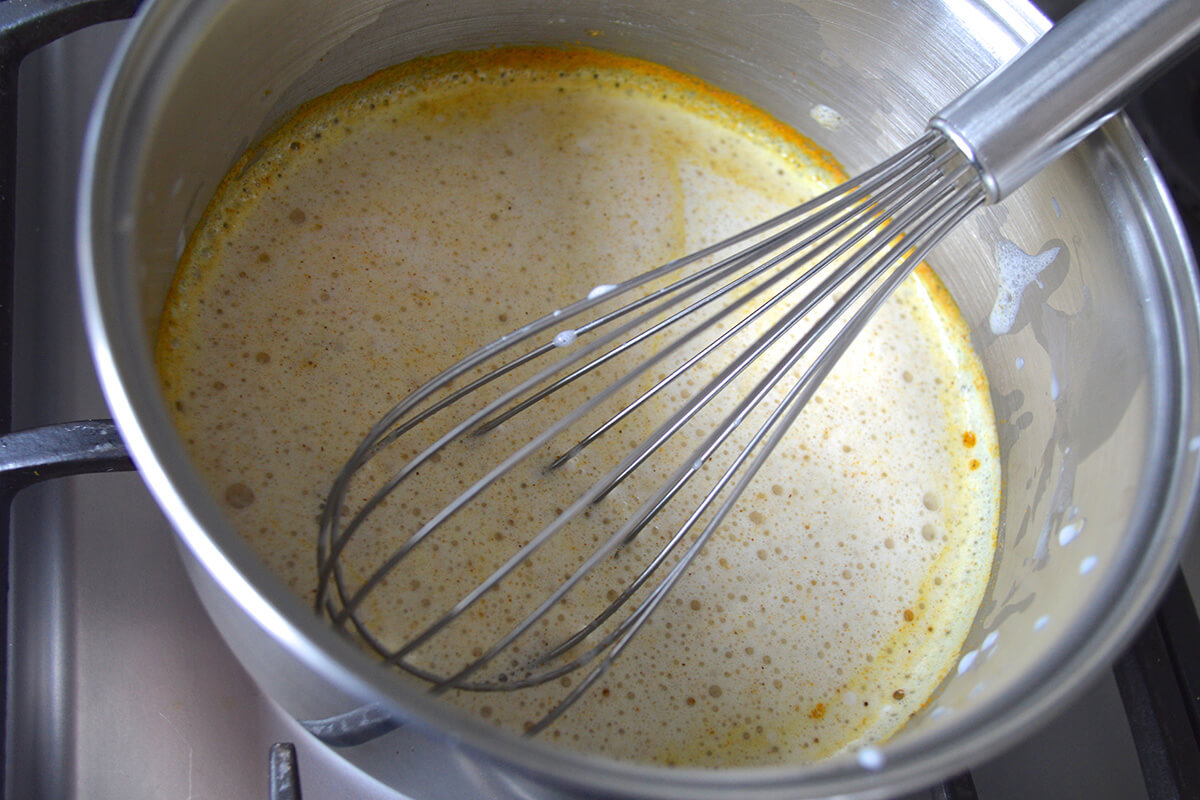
(392, 227)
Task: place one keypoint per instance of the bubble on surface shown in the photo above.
(239, 495)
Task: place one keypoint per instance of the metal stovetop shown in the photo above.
(120, 687)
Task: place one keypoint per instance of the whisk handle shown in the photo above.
(1064, 86)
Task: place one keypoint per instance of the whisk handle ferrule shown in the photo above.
(1064, 86)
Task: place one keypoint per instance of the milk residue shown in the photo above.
(1017, 270)
(391, 228)
(826, 117)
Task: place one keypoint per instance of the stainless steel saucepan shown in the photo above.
(1092, 385)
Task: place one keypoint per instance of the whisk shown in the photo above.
(761, 317)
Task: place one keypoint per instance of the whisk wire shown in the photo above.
(823, 237)
(774, 334)
(939, 222)
(844, 223)
(471, 422)
(872, 222)
(350, 604)
(702, 455)
(844, 197)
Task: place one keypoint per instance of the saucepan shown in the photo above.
(1092, 385)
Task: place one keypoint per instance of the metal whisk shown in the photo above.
(755, 322)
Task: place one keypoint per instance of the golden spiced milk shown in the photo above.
(392, 227)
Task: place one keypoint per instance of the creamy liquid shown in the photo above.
(395, 225)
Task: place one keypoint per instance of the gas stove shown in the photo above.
(118, 686)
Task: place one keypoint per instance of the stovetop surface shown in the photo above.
(122, 688)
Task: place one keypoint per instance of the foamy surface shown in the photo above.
(393, 227)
